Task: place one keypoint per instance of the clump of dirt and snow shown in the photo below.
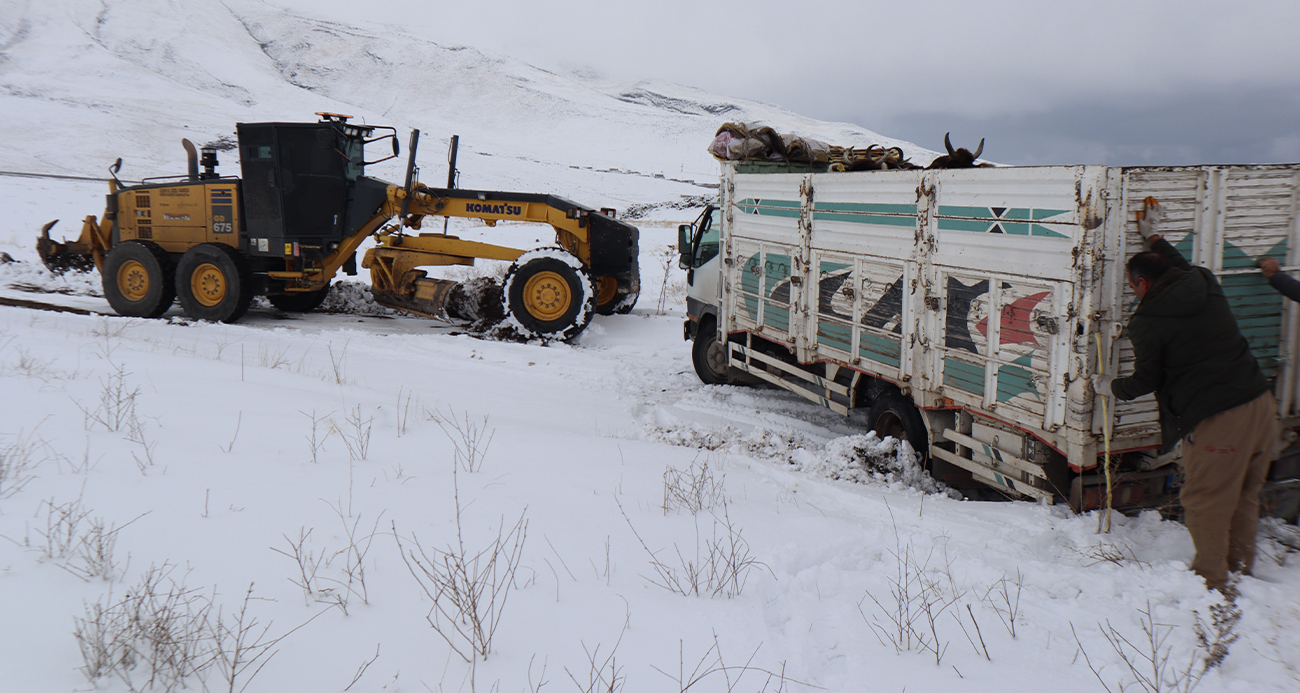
(858, 458)
(34, 277)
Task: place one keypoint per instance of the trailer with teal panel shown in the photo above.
(970, 311)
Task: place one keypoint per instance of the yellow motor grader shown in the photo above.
(300, 212)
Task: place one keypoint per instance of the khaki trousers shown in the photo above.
(1227, 458)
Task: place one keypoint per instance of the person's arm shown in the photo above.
(1167, 249)
(1147, 371)
(1286, 285)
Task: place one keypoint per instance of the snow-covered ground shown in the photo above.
(207, 456)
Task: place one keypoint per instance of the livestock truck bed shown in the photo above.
(983, 295)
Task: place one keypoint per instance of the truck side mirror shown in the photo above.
(684, 246)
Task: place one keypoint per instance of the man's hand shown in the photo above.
(1148, 220)
(1101, 384)
(1268, 267)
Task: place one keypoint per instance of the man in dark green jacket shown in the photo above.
(1212, 395)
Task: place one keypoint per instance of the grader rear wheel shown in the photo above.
(137, 280)
(214, 283)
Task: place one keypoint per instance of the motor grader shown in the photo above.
(298, 215)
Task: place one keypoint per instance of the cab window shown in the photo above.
(707, 247)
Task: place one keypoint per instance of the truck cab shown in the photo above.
(699, 244)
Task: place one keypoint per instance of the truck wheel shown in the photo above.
(710, 356)
(214, 283)
(138, 280)
(548, 293)
(893, 415)
(300, 302)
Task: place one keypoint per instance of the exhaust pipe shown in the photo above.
(193, 158)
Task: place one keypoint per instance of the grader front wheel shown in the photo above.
(548, 293)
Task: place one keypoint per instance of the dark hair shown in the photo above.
(1149, 265)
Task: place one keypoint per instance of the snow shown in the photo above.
(216, 472)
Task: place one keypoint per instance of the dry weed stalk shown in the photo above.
(471, 439)
(469, 588)
(1151, 660)
(711, 663)
(719, 566)
(695, 488)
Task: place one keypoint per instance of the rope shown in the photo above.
(1105, 431)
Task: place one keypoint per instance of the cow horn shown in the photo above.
(978, 149)
(948, 143)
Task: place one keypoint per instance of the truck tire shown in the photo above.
(709, 355)
(300, 302)
(214, 283)
(138, 279)
(893, 415)
(548, 293)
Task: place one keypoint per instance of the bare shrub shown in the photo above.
(908, 617)
(469, 588)
(162, 635)
(355, 433)
(155, 637)
(470, 438)
(18, 459)
(695, 488)
(115, 409)
(1156, 665)
(1004, 597)
(1216, 636)
(711, 664)
(603, 675)
(719, 566)
(1105, 552)
(315, 440)
(338, 363)
(345, 572)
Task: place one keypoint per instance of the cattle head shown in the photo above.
(957, 158)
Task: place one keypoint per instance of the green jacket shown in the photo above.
(1188, 350)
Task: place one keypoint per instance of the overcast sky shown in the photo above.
(1123, 82)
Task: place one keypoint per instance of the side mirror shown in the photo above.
(684, 246)
(117, 166)
(397, 148)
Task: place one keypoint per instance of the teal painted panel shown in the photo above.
(882, 349)
(868, 207)
(871, 219)
(749, 285)
(963, 225)
(834, 335)
(776, 269)
(1014, 381)
(773, 208)
(776, 317)
(963, 376)
(1039, 230)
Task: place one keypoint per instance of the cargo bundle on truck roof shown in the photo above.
(968, 311)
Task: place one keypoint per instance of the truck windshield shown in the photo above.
(706, 248)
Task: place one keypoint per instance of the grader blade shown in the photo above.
(58, 257)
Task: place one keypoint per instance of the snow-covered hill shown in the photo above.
(83, 82)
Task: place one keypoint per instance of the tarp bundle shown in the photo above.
(753, 142)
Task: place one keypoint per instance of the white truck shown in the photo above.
(966, 309)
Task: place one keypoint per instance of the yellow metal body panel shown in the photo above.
(179, 217)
